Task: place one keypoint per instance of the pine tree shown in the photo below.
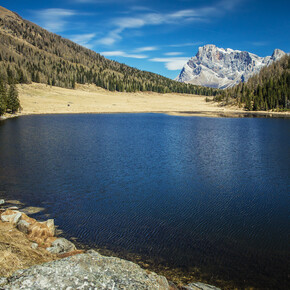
(13, 103)
(3, 97)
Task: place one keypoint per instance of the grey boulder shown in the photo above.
(86, 271)
(200, 286)
(13, 217)
(23, 226)
(61, 246)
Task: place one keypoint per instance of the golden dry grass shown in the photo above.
(43, 99)
(16, 252)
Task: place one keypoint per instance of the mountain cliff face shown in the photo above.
(223, 68)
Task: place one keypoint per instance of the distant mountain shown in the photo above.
(29, 53)
(223, 68)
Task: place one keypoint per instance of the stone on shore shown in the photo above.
(200, 286)
(40, 232)
(13, 207)
(86, 271)
(32, 209)
(23, 226)
(11, 216)
(61, 246)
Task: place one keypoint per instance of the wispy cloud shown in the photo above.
(111, 38)
(172, 63)
(83, 39)
(146, 48)
(140, 20)
(54, 19)
(140, 8)
(103, 1)
(173, 53)
(122, 54)
(186, 44)
(259, 43)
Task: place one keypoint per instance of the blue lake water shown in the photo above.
(194, 198)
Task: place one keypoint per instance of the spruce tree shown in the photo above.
(13, 103)
(3, 97)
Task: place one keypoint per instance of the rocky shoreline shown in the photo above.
(70, 268)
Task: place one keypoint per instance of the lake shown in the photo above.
(188, 197)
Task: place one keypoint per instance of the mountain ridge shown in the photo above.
(223, 68)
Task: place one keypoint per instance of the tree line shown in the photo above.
(267, 90)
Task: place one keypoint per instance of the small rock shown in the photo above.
(14, 202)
(95, 253)
(50, 225)
(11, 216)
(23, 226)
(32, 209)
(34, 246)
(2, 201)
(200, 286)
(60, 246)
(13, 207)
(39, 232)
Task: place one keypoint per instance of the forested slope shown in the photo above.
(270, 89)
(29, 53)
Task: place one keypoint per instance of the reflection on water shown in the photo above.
(193, 198)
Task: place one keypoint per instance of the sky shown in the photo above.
(159, 35)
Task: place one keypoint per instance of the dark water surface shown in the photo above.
(195, 198)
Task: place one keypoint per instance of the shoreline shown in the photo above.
(22, 239)
(207, 114)
(39, 99)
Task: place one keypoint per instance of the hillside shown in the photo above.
(29, 53)
(268, 90)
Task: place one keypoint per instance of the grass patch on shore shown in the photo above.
(16, 252)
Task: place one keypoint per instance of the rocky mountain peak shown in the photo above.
(277, 54)
(222, 68)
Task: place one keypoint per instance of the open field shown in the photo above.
(43, 99)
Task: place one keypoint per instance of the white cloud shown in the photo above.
(128, 22)
(122, 54)
(173, 53)
(146, 48)
(53, 19)
(140, 8)
(103, 1)
(111, 38)
(83, 39)
(186, 44)
(203, 14)
(172, 63)
(185, 13)
(259, 43)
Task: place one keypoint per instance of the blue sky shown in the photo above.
(158, 35)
